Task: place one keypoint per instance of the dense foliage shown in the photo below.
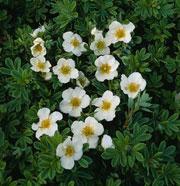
(145, 131)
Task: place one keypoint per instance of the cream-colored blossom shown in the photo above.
(120, 32)
(133, 84)
(73, 43)
(74, 100)
(106, 106)
(47, 122)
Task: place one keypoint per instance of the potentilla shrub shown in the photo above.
(90, 93)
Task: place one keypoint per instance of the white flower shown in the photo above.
(39, 64)
(47, 122)
(95, 31)
(69, 151)
(74, 100)
(47, 76)
(82, 81)
(100, 45)
(106, 106)
(106, 67)
(88, 131)
(120, 32)
(73, 43)
(107, 142)
(37, 31)
(65, 69)
(133, 84)
(38, 48)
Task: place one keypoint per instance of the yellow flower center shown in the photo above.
(75, 42)
(100, 45)
(75, 102)
(38, 48)
(69, 151)
(88, 131)
(106, 105)
(65, 69)
(120, 33)
(105, 68)
(41, 65)
(45, 123)
(133, 87)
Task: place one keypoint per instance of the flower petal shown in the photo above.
(107, 142)
(76, 127)
(67, 163)
(67, 94)
(35, 126)
(39, 133)
(55, 116)
(93, 142)
(65, 107)
(97, 102)
(130, 27)
(59, 150)
(74, 74)
(107, 95)
(85, 101)
(43, 113)
(76, 112)
(78, 155)
(67, 35)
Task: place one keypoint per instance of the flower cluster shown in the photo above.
(38, 50)
(75, 100)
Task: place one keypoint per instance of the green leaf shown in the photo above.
(66, 10)
(139, 156)
(85, 161)
(143, 101)
(71, 183)
(138, 146)
(113, 182)
(114, 155)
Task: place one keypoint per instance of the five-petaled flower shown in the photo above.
(65, 70)
(38, 49)
(89, 130)
(106, 68)
(74, 100)
(106, 106)
(73, 43)
(69, 151)
(47, 122)
(133, 84)
(120, 32)
(39, 64)
(100, 45)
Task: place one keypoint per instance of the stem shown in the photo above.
(131, 111)
(109, 84)
(128, 118)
